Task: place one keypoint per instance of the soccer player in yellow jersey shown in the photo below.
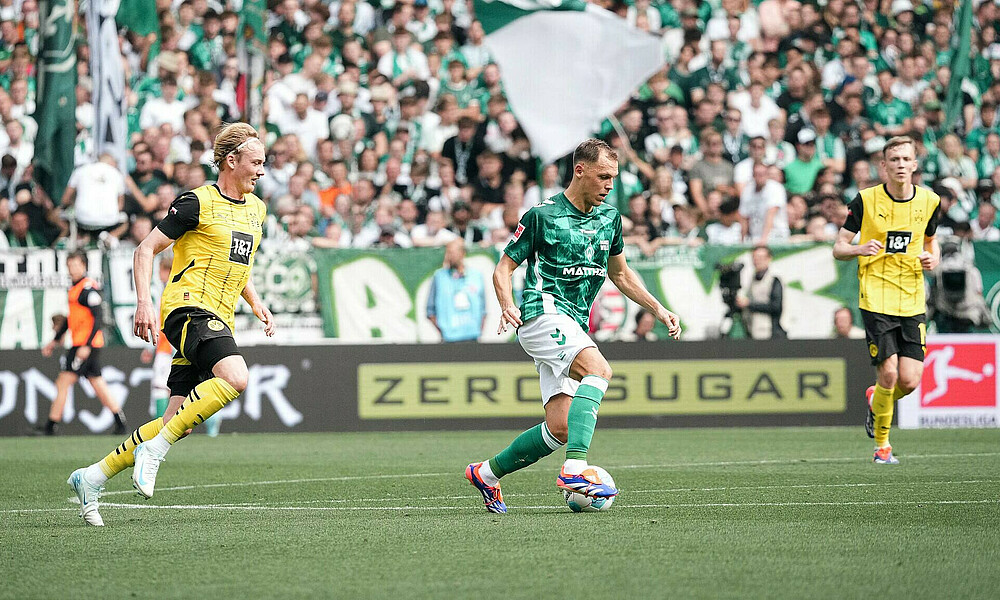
(896, 222)
(215, 231)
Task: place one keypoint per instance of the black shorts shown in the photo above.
(87, 368)
(202, 339)
(888, 335)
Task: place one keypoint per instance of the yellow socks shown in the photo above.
(121, 457)
(204, 401)
(897, 393)
(882, 403)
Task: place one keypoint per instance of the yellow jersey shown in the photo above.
(216, 238)
(892, 281)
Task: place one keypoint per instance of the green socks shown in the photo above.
(526, 449)
(583, 416)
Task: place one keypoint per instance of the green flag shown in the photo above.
(960, 66)
(138, 16)
(55, 112)
(252, 18)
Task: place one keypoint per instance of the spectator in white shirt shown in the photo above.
(548, 187)
(433, 231)
(475, 51)
(763, 206)
(728, 230)
(743, 171)
(757, 109)
(98, 190)
(21, 149)
(305, 123)
(404, 62)
(166, 109)
(983, 226)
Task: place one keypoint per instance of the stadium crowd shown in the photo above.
(387, 125)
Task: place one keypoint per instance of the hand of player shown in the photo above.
(49, 348)
(871, 248)
(672, 321)
(145, 326)
(509, 314)
(147, 356)
(82, 354)
(928, 261)
(262, 313)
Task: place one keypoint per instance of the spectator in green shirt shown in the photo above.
(800, 174)
(989, 158)
(976, 138)
(890, 115)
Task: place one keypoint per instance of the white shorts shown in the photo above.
(553, 341)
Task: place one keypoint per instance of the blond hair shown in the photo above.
(232, 140)
(899, 140)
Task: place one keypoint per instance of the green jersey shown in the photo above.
(567, 253)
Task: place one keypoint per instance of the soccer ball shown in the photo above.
(580, 503)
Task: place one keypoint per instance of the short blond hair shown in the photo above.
(232, 140)
(895, 142)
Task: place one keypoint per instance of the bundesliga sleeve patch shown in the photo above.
(518, 231)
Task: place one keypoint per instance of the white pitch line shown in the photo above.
(666, 490)
(540, 507)
(281, 481)
(792, 461)
(452, 473)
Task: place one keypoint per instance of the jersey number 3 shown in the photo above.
(897, 241)
(242, 246)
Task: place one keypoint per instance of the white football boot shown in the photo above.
(88, 493)
(144, 473)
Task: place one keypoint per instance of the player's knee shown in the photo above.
(238, 379)
(602, 370)
(887, 378)
(560, 431)
(239, 382)
(908, 382)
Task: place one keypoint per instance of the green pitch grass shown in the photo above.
(736, 513)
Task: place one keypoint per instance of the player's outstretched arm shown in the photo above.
(260, 311)
(510, 314)
(843, 249)
(146, 324)
(630, 284)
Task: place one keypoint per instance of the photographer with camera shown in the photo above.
(762, 304)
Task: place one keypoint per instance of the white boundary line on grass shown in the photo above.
(458, 472)
(666, 490)
(538, 507)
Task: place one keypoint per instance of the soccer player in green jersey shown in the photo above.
(572, 241)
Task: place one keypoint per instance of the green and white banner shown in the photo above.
(380, 296)
(566, 65)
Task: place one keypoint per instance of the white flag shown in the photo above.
(566, 65)
(108, 74)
